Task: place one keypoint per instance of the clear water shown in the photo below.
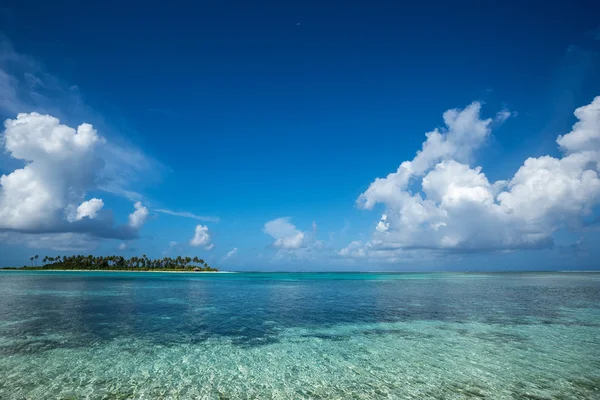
(88, 335)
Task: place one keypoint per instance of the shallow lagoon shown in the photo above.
(288, 336)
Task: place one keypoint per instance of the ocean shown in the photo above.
(116, 335)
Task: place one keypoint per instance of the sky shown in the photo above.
(303, 135)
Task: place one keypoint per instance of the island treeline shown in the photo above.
(142, 263)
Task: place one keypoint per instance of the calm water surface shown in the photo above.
(103, 335)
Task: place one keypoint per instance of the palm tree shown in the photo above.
(117, 262)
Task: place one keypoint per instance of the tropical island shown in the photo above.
(118, 263)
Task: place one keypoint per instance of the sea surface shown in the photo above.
(111, 335)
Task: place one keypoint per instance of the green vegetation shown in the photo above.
(118, 263)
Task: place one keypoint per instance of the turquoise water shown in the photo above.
(95, 335)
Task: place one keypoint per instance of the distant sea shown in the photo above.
(107, 335)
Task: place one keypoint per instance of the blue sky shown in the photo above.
(267, 124)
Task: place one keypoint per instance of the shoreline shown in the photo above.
(316, 272)
(114, 270)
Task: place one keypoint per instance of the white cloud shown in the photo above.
(584, 136)
(354, 249)
(54, 165)
(26, 86)
(89, 208)
(294, 245)
(465, 132)
(61, 164)
(187, 215)
(60, 167)
(138, 217)
(122, 246)
(383, 224)
(201, 238)
(286, 235)
(230, 254)
(457, 208)
(172, 244)
(504, 115)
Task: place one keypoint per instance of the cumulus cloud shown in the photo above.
(458, 209)
(383, 224)
(465, 132)
(294, 245)
(89, 208)
(61, 164)
(585, 134)
(60, 167)
(115, 165)
(122, 246)
(201, 238)
(138, 217)
(286, 235)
